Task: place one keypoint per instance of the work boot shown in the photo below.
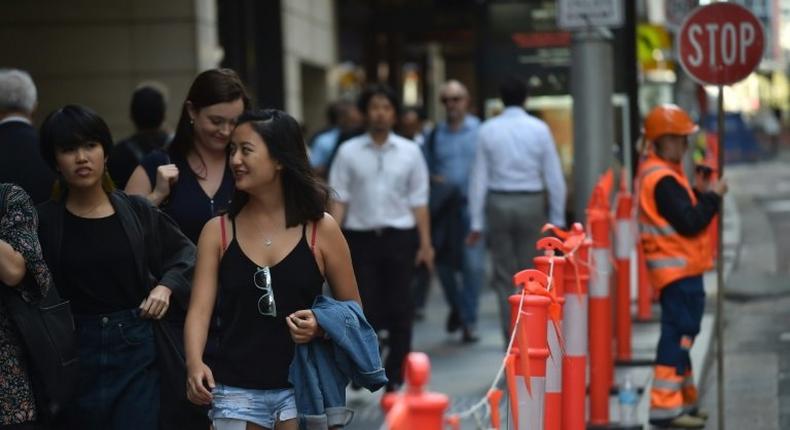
(699, 413)
(684, 421)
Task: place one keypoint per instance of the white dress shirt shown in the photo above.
(516, 152)
(380, 184)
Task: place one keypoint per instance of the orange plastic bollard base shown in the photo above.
(574, 392)
(601, 363)
(552, 418)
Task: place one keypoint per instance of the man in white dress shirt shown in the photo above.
(381, 182)
(516, 165)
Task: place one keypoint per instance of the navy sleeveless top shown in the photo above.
(188, 204)
(255, 350)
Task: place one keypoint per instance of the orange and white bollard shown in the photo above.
(600, 321)
(574, 329)
(624, 244)
(415, 408)
(531, 340)
(553, 401)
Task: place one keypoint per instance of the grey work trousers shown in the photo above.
(513, 222)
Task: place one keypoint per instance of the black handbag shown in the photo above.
(46, 329)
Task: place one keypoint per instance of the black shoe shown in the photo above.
(469, 335)
(453, 321)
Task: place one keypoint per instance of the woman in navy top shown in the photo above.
(267, 259)
(191, 182)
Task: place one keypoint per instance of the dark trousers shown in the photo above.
(682, 305)
(119, 379)
(384, 267)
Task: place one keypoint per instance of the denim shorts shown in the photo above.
(261, 407)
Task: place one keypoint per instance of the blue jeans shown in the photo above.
(466, 293)
(119, 380)
(682, 306)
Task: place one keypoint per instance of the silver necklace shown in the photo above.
(267, 241)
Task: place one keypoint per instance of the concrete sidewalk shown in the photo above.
(465, 372)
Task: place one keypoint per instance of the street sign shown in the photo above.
(579, 14)
(676, 11)
(720, 44)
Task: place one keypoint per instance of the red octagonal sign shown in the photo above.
(720, 44)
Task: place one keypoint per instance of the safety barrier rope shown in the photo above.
(483, 404)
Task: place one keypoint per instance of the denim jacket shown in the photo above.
(322, 368)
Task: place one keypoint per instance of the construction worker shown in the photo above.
(672, 223)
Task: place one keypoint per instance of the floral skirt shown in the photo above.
(17, 404)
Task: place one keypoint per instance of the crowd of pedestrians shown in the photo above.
(235, 276)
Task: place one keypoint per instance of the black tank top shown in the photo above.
(256, 350)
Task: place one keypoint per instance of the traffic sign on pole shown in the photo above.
(720, 44)
(580, 14)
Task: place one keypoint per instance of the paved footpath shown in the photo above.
(757, 321)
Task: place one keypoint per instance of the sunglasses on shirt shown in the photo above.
(263, 281)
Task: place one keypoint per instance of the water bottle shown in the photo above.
(628, 399)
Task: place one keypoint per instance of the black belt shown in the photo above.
(516, 192)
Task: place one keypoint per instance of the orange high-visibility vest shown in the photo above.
(669, 255)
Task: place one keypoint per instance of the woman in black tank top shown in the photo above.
(263, 264)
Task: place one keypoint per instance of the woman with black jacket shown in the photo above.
(119, 260)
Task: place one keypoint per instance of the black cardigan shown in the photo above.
(162, 254)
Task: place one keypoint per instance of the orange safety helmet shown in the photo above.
(668, 119)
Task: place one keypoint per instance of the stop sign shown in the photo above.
(720, 44)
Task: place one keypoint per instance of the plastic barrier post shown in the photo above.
(415, 408)
(553, 401)
(574, 331)
(624, 243)
(600, 318)
(531, 382)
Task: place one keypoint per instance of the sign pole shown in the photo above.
(720, 273)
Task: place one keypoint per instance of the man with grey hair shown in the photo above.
(20, 160)
(450, 151)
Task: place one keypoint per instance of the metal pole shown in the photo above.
(592, 85)
(720, 274)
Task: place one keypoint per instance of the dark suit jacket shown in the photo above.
(21, 162)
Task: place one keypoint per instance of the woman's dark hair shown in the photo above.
(378, 90)
(68, 128)
(513, 91)
(306, 197)
(209, 88)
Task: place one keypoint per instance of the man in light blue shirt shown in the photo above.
(348, 118)
(450, 151)
(516, 165)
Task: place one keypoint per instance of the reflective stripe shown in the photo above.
(666, 230)
(574, 325)
(624, 239)
(599, 278)
(663, 263)
(554, 363)
(530, 405)
(665, 414)
(663, 384)
(652, 169)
